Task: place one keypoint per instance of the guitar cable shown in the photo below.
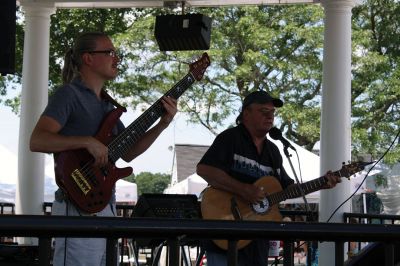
(359, 186)
(362, 182)
(65, 239)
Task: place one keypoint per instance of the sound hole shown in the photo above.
(261, 207)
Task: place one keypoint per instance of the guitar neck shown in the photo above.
(297, 190)
(126, 139)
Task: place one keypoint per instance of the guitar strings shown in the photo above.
(124, 137)
(117, 147)
(186, 81)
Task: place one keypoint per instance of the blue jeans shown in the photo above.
(255, 254)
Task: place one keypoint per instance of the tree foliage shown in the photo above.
(66, 24)
(273, 48)
(150, 183)
(376, 78)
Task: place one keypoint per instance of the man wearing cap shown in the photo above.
(236, 159)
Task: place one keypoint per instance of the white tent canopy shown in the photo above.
(125, 191)
(193, 184)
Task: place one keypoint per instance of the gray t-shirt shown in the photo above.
(78, 110)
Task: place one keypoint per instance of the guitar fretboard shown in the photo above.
(295, 190)
(125, 140)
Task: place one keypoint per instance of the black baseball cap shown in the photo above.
(261, 97)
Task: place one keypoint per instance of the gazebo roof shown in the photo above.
(155, 3)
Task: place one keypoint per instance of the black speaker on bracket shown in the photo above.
(8, 10)
(183, 32)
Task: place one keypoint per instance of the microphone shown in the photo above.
(276, 134)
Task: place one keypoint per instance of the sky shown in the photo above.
(157, 159)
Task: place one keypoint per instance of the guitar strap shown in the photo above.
(107, 97)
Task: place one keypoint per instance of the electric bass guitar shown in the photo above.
(90, 187)
(221, 205)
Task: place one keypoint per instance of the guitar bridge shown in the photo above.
(81, 181)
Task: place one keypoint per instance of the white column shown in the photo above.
(35, 76)
(336, 113)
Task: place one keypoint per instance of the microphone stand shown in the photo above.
(297, 180)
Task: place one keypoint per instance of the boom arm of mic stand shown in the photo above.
(285, 150)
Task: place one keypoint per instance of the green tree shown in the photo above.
(376, 78)
(274, 48)
(150, 183)
(279, 49)
(66, 24)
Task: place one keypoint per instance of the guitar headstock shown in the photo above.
(350, 169)
(199, 67)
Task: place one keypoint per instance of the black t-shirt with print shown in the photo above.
(234, 152)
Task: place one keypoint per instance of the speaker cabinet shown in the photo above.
(183, 32)
(8, 10)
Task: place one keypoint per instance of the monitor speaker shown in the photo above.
(167, 206)
(183, 32)
(8, 10)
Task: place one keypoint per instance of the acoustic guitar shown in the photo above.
(90, 187)
(222, 205)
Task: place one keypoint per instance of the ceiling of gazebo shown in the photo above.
(154, 3)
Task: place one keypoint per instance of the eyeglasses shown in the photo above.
(112, 53)
(267, 112)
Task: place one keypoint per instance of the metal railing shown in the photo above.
(362, 218)
(174, 230)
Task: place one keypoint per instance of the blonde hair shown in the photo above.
(73, 57)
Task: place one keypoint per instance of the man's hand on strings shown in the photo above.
(98, 150)
(252, 193)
